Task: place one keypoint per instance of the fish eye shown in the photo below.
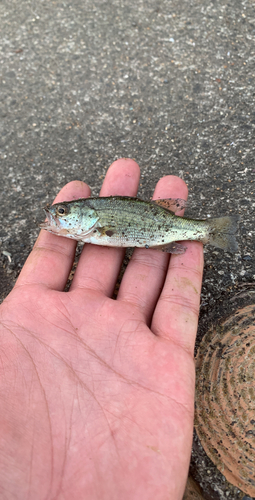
(62, 210)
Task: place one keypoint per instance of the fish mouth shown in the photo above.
(51, 222)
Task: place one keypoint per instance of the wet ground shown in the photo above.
(169, 83)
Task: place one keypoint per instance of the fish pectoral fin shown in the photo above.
(172, 204)
(106, 230)
(175, 248)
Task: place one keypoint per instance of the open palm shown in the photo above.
(97, 394)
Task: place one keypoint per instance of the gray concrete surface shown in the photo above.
(169, 83)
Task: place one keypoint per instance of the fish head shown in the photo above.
(70, 219)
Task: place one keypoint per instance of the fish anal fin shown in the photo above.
(175, 248)
(172, 204)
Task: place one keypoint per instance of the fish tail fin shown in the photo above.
(222, 233)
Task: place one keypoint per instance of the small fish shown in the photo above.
(121, 221)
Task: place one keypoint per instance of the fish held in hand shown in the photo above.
(121, 221)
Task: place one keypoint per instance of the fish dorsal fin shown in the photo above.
(172, 204)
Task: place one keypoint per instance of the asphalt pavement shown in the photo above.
(168, 83)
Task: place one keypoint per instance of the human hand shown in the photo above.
(97, 394)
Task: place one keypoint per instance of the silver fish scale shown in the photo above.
(136, 220)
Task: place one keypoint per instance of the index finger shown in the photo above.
(52, 257)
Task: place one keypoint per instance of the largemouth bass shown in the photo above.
(121, 221)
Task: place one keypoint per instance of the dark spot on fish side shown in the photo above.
(147, 246)
(109, 233)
